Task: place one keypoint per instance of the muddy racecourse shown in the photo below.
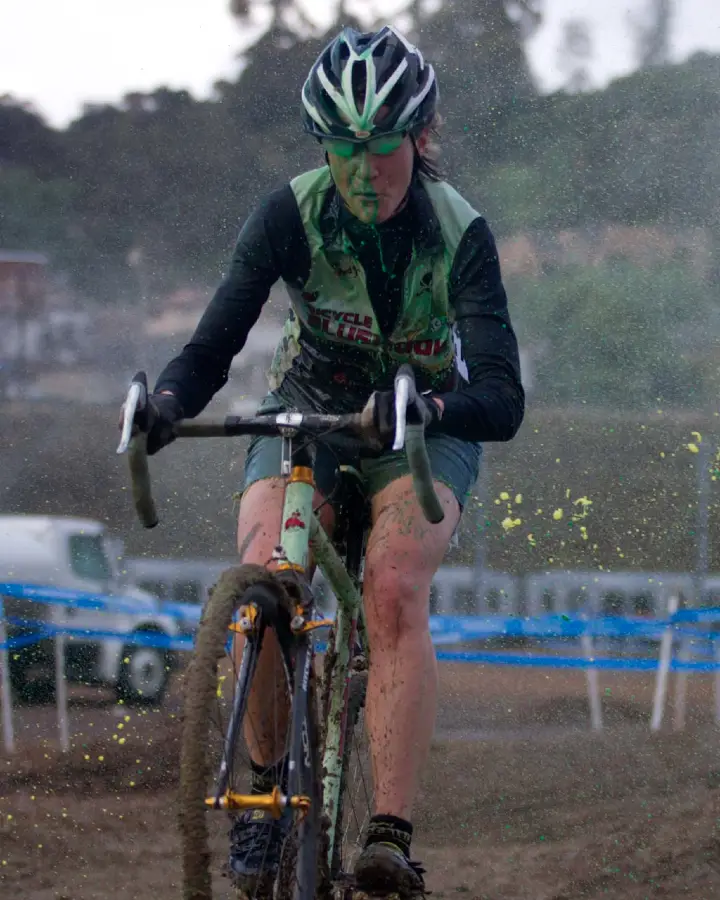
(520, 799)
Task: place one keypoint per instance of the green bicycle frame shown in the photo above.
(301, 531)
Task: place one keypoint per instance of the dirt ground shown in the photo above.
(521, 800)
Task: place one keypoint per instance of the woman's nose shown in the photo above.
(367, 166)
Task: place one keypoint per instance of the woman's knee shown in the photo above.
(259, 520)
(397, 600)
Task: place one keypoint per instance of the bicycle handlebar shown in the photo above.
(133, 440)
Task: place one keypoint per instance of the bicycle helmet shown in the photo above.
(360, 72)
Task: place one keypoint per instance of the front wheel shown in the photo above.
(214, 760)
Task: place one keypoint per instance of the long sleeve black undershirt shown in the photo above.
(272, 245)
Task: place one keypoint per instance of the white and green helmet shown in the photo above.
(359, 73)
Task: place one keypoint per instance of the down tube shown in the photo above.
(296, 518)
(349, 605)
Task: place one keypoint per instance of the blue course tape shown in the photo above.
(445, 630)
(22, 640)
(143, 638)
(570, 625)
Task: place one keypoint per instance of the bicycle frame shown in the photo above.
(301, 532)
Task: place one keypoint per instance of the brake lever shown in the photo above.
(404, 394)
(135, 402)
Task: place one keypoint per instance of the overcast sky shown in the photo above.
(61, 54)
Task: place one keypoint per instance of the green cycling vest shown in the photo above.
(334, 306)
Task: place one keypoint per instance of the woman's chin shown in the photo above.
(370, 210)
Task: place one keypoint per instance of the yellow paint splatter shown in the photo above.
(693, 448)
(508, 524)
(557, 515)
(504, 495)
(518, 498)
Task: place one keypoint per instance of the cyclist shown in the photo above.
(384, 263)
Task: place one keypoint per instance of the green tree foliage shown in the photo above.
(174, 178)
(618, 335)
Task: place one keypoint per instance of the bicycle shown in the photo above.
(248, 599)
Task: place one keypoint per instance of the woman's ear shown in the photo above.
(421, 140)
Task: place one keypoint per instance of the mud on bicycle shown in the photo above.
(323, 795)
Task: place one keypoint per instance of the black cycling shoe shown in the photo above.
(256, 843)
(383, 870)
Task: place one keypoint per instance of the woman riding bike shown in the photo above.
(384, 263)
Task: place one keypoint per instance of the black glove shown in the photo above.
(380, 414)
(158, 419)
(163, 411)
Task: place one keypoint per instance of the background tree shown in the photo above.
(575, 54)
(651, 31)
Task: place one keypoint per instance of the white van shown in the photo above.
(76, 554)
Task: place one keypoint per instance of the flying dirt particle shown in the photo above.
(504, 495)
(557, 515)
(518, 499)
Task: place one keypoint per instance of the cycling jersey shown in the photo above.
(423, 287)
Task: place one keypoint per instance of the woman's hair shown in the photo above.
(427, 163)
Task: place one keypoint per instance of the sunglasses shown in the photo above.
(383, 145)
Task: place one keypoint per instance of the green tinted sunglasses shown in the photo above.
(383, 145)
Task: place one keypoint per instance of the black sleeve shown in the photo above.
(271, 245)
(491, 406)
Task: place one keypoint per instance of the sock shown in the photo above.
(390, 830)
(264, 778)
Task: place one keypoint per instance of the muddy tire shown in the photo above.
(201, 681)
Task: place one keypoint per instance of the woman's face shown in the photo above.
(373, 178)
